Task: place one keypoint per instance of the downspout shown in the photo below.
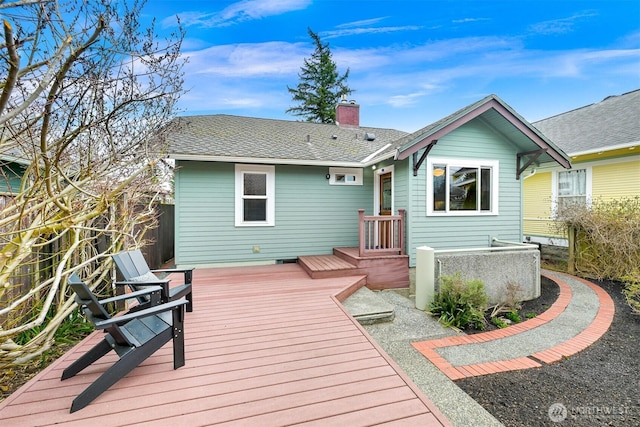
(532, 173)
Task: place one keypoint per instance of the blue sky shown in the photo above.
(411, 62)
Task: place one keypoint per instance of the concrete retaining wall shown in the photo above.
(503, 273)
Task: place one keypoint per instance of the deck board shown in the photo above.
(265, 346)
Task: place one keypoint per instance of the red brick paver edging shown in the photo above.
(591, 334)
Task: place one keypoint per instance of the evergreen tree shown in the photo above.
(320, 87)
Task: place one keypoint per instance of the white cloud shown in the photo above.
(257, 9)
(361, 23)
(411, 99)
(245, 10)
(561, 25)
(248, 60)
(467, 20)
(371, 30)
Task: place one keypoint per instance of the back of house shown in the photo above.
(259, 191)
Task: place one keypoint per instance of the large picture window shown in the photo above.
(462, 187)
(255, 195)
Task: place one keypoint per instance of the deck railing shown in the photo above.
(381, 234)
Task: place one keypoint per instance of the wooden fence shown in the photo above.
(160, 249)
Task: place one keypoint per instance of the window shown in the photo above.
(345, 176)
(572, 187)
(255, 195)
(462, 187)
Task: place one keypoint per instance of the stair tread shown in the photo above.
(326, 263)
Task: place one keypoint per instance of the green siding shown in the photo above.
(11, 177)
(312, 217)
(474, 140)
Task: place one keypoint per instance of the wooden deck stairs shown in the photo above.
(383, 271)
(327, 266)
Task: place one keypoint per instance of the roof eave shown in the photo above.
(265, 160)
(605, 149)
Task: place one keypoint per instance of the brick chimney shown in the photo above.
(348, 114)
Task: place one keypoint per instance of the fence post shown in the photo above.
(425, 276)
(571, 262)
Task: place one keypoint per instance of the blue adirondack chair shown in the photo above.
(134, 336)
(136, 274)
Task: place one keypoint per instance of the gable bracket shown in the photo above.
(417, 163)
(533, 157)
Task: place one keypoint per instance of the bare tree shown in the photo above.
(85, 93)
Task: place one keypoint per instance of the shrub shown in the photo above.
(513, 316)
(499, 322)
(632, 290)
(460, 303)
(607, 236)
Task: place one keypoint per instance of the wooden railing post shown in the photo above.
(361, 232)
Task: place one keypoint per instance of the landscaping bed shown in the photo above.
(549, 292)
(597, 386)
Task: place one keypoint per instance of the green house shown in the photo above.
(257, 191)
(12, 169)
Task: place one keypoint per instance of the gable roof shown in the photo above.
(230, 138)
(609, 124)
(501, 117)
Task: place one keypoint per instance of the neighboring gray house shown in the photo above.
(256, 191)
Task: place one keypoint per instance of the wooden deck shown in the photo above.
(265, 346)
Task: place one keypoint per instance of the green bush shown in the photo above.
(460, 303)
(513, 316)
(499, 322)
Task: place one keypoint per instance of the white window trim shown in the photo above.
(270, 172)
(376, 188)
(474, 163)
(356, 172)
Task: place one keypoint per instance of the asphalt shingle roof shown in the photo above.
(612, 122)
(227, 136)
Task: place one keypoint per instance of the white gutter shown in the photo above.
(629, 145)
(264, 160)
